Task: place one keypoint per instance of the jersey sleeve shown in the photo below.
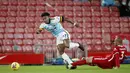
(57, 19)
(41, 27)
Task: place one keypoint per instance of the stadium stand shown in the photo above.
(20, 18)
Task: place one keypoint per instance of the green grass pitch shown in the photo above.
(125, 68)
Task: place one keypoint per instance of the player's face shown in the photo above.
(45, 19)
(117, 41)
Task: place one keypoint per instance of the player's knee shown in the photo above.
(61, 49)
(61, 52)
(67, 45)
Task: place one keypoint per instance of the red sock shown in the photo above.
(81, 62)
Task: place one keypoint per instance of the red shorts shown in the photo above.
(103, 62)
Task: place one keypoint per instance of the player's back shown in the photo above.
(54, 26)
(122, 52)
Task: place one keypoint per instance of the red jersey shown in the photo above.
(122, 52)
(113, 60)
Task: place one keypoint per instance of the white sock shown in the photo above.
(66, 58)
(73, 45)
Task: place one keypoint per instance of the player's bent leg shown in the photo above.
(61, 48)
(71, 45)
(66, 42)
(81, 46)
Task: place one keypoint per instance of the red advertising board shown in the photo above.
(22, 58)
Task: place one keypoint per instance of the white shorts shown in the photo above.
(61, 37)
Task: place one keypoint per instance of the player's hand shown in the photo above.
(76, 24)
(38, 32)
(116, 67)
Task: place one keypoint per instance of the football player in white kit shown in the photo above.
(54, 26)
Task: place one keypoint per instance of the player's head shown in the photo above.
(117, 41)
(46, 17)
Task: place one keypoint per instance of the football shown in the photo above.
(15, 66)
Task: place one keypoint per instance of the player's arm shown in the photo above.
(117, 60)
(70, 21)
(40, 29)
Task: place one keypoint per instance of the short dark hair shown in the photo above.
(45, 14)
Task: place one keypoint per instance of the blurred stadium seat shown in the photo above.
(124, 24)
(115, 30)
(2, 30)
(96, 14)
(12, 8)
(114, 9)
(10, 25)
(28, 36)
(3, 8)
(1, 36)
(13, 2)
(37, 41)
(27, 49)
(105, 19)
(20, 25)
(27, 42)
(2, 25)
(7, 49)
(3, 19)
(106, 24)
(87, 35)
(114, 19)
(31, 2)
(8, 42)
(105, 14)
(86, 9)
(21, 19)
(9, 30)
(95, 3)
(9, 36)
(104, 9)
(106, 30)
(96, 19)
(4, 2)
(124, 19)
(3, 14)
(18, 36)
(115, 14)
(18, 41)
(87, 41)
(124, 30)
(114, 25)
(19, 30)
(29, 30)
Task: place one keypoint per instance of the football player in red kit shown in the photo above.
(111, 61)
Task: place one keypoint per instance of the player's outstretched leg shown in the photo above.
(68, 61)
(66, 58)
(69, 66)
(76, 45)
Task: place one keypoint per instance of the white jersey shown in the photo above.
(54, 26)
